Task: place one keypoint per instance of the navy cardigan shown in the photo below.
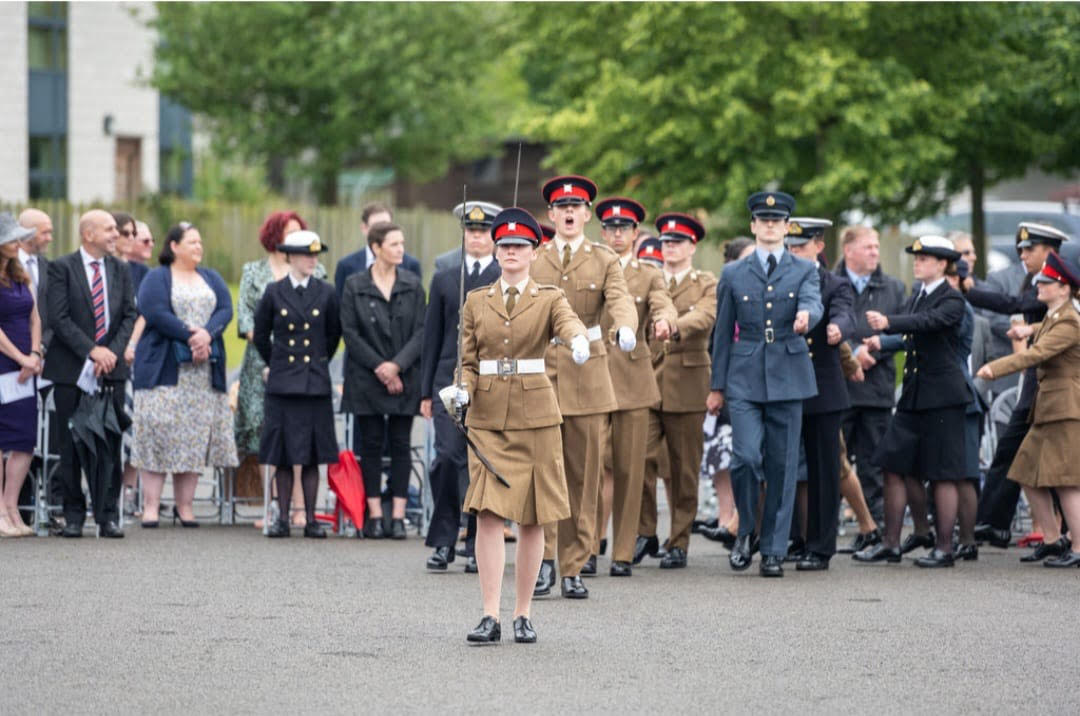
(155, 361)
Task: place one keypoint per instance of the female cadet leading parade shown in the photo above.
(514, 417)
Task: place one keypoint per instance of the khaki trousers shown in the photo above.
(629, 434)
(685, 442)
(582, 460)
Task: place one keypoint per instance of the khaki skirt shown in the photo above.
(1047, 456)
(531, 461)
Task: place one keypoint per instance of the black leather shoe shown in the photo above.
(589, 568)
(462, 551)
(862, 541)
(314, 530)
(440, 558)
(110, 531)
(741, 553)
(278, 529)
(1069, 559)
(796, 550)
(373, 528)
(72, 531)
(914, 541)
(994, 536)
(936, 558)
(699, 526)
(470, 565)
(574, 588)
(645, 546)
(663, 550)
(1053, 549)
(878, 553)
(966, 552)
(603, 546)
(487, 631)
(397, 529)
(545, 580)
(621, 569)
(719, 534)
(674, 559)
(812, 563)
(523, 631)
(771, 566)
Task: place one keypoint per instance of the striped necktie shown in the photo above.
(97, 296)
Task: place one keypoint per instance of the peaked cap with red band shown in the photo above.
(1057, 269)
(516, 226)
(649, 250)
(570, 189)
(679, 227)
(620, 210)
(549, 233)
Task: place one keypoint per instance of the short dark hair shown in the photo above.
(376, 208)
(378, 233)
(736, 246)
(122, 218)
(175, 236)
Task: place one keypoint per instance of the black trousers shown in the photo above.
(372, 432)
(821, 439)
(863, 430)
(997, 504)
(449, 482)
(67, 400)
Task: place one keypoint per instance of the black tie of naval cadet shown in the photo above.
(474, 275)
(771, 261)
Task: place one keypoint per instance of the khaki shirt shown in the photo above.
(683, 365)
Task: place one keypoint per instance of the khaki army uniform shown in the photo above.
(592, 281)
(682, 374)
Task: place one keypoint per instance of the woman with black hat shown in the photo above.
(932, 404)
(296, 332)
(1049, 456)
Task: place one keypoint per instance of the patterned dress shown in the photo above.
(248, 422)
(188, 426)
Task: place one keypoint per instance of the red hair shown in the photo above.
(272, 232)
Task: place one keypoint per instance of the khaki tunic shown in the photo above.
(683, 366)
(515, 419)
(1049, 456)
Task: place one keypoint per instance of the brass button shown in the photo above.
(811, 354)
(506, 323)
(809, 341)
(746, 298)
(292, 358)
(565, 278)
(292, 342)
(314, 311)
(506, 340)
(284, 312)
(307, 359)
(505, 378)
(308, 325)
(637, 299)
(768, 305)
(770, 288)
(768, 323)
(592, 286)
(791, 295)
(307, 342)
(292, 326)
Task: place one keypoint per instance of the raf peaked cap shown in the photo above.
(649, 250)
(516, 226)
(1058, 269)
(570, 189)
(1029, 233)
(803, 229)
(302, 242)
(478, 214)
(937, 246)
(679, 227)
(770, 205)
(619, 211)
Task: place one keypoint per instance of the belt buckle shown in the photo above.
(770, 336)
(506, 366)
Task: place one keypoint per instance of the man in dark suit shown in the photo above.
(823, 413)
(362, 259)
(438, 359)
(91, 312)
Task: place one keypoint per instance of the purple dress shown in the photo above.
(18, 420)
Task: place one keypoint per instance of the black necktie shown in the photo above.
(771, 261)
(918, 300)
(300, 289)
(474, 275)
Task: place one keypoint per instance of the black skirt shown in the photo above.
(298, 430)
(926, 444)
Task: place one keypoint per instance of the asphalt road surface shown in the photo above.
(223, 620)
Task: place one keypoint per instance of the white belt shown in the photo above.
(509, 366)
(593, 333)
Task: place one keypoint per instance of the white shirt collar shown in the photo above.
(25, 258)
(929, 288)
(519, 286)
(369, 256)
(87, 259)
(485, 261)
(763, 254)
(295, 283)
(574, 245)
(625, 260)
(677, 276)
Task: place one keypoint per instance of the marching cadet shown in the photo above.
(822, 413)
(590, 276)
(633, 379)
(765, 376)
(649, 253)
(438, 359)
(514, 417)
(681, 364)
(297, 330)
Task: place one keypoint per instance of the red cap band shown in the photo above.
(568, 191)
(676, 227)
(1048, 271)
(616, 211)
(515, 229)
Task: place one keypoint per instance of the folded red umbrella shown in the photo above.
(348, 484)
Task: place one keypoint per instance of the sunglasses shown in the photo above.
(129, 233)
(146, 242)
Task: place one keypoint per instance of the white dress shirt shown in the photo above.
(484, 262)
(87, 259)
(519, 286)
(295, 283)
(30, 263)
(574, 245)
(677, 276)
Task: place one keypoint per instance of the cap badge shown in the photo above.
(671, 223)
(1023, 233)
(315, 247)
(794, 229)
(616, 210)
(512, 226)
(917, 246)
(769, 200)
(476, 214)
(568, 188)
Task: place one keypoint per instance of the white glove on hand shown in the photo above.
(627, 340)
(461, 397)
(453, 396)
(579, 348)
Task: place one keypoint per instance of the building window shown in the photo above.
(48, 167)
(47, 59)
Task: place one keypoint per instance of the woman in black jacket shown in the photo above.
(382, 318)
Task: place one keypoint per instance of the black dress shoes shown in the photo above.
(645, 546)
(935, 559)
(545, 580)
(771, 566)
(279, 529)
(374, 528)
(487, 631)
(110, 530)
(812, 563)
(966, 552)
(741, 553)
(397, 529)
(470, 565)
(674, 559)
(523, 631)
(878, 553)
(1053, 549)
(914, 541)
(719, 534)
(72, 531)
(1069, 559)
(440, 558)
(699, 526)
(862, 541)
(589, 568)
(574, 588)
(796, 550)
(620, 569)
(313, 530)
(996, 537)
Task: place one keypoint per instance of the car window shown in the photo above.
(1001, 223)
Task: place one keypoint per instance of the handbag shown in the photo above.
(182, 352)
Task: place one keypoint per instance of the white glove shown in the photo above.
(453, 396)
(461, 397)
(627, 340)
(579, 347)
